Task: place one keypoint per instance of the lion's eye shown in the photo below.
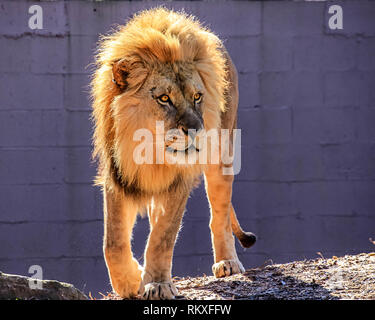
(164, 98)
(197, 97)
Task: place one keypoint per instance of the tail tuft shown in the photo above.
(247, 239)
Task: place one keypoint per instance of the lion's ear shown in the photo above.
(120, 72)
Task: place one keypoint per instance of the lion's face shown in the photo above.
(176, 96)
(170, 103)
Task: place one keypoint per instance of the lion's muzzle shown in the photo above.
(189, 127)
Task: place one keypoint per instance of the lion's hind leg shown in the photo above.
(219, 193)
(119, 217)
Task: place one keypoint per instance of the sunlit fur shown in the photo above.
(150, 41)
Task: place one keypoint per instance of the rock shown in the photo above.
(14, 287)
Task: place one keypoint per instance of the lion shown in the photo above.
(162, 66)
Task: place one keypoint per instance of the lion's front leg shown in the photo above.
(165, 221)
(119, 217)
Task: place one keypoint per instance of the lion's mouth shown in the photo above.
(191, 148)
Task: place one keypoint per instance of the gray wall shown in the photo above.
(307, 113)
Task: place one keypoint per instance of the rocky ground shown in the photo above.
(348, 277)
(14, 287)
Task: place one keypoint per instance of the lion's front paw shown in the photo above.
(126, 288)
(159, 291)
(225, 268)
(126, 284)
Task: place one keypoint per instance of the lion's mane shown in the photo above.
(152, 37)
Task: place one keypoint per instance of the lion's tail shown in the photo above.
(247, 239)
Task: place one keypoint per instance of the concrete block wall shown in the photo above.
(307, 182)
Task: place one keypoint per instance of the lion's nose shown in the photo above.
(190, 133)
(190, 124)
(183, 129)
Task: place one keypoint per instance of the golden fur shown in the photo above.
(162, 50)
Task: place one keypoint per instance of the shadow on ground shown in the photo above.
(269, 283)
